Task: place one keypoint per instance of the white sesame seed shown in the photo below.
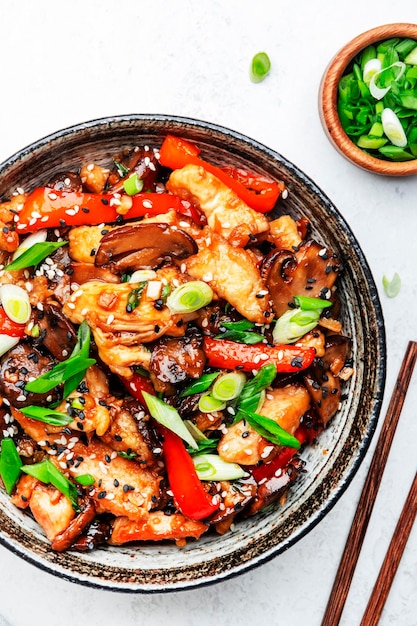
(84, 312)
(147, 204)
(248, 451)
(21, 398)
(71, 212)
(52, 196)
(70, 305)
(110, 319)
(284, 194)
(90, 167)
(110, 496)
(208, 277)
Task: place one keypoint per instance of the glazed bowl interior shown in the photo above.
(330, 464)
(328, 96)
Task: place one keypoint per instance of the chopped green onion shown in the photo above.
(35, 254)
(228, 386)
(380, 77)
(270, 430)
(70, 372)
(198, 435)
(393, 128)
(38, 237)
(134, 296)
(16, 303)
(190, 297)
(10, 464)
(208, 404)
(46, 472)
(253, 392)
(293, 324)
(49, 416)
(127, 455)
(212, 467)
(260, 67)
(133, 185)
(200, 385)
(241, 336)
(85, 480)
(305, 303)
(121, 169)
(411, 57)
(392, 287)
(169, 417)
(7, 343)
(240, 325)
(371, 67)
(141, 276)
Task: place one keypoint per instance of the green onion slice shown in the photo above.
(169, 417)
(133, 184)
(200, 385)
(293, 324)
(10, 464)
(270, 430)
(212, 467)
(371, 67)
(305, 303)
(49, 416)
(241, 336)
(260, 67)
(16, 303)
(393, 128)
(190, 297)
(141, 276)
(208, 404)
(379, 92)
(35, 254)
(7, 343)
(46, 472)
(39, 237)
(228, 386)
(85, 480)
(392, 287)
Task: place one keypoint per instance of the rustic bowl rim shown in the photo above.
(328, 92)
(263, 551)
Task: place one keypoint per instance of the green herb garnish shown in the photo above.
(260, 67)
(392, 287)
(47, 473)
(85, 480)
(48, 416)
(200, 385)
(121, 169)
(35, 254)
(134, 296)
(10, 464)
(270, 430)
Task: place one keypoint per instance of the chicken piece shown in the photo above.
(84, 241)
(156, 527)
(226, 213)
(9, 239)
(232, 274)
(283, 233)
(51, 509)
(314, 339)
(9, 209)
(94, 177)
(122, 486)
(121, 351)
(242, 444)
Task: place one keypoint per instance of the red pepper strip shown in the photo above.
(9, 327)
(189, 493)
(48, 208)
(281, 460)
(230, 355)
(186, 486)
(176, 153)
(136, 385)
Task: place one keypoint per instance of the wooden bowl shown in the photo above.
(328, 101)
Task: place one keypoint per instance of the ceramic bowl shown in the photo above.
(330, 464)
(328, 94)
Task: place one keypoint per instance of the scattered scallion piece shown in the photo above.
(49, 416)
(85, 480)
(169, 417)
(208, 404)
(134, 296)
(200, 385)
(212, 467)
(306, 303)
(270, 430)
(35, 254)
(228, 386)
(121, 169)
(10, 464)
(39, 237)
(190, 297)
(15, 302)
(141, 276)
(295, 323)
(392, 287)
(47, 473)
(7, 343)
(260, 67)
(254, 390)
(241, 336)
(133, 184)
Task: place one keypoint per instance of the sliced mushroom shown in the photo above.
(83, 272)
(311, 270)
(66, 181)
(143, 246)
(275, 486)
(57, 334)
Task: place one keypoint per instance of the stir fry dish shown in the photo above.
(170, 341)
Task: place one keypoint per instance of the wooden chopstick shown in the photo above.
(392, 559)
(367, 499)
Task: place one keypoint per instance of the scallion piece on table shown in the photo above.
(10, 464)
(169, 417)
(228, 386)
(190, 297)
(212, 467)
(47, 473)
(133, 184)
(35, 254)
(260, 67)
(293, 324)
(392, 287)
(48, 416)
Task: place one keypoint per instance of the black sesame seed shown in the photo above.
(24, 498)
(101, 495)
(107, 458)
(104, 231)
(105, 201)
(119, 219)
(93, 251)
(62, 223)
(118, 438)
(245, 434)
(85, 210)
(116, 482)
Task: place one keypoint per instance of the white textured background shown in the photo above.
(68, 62)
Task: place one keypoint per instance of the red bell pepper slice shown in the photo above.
(189, 493)
(222, 353)
(281, 460)
(186, 486)
(49, 208)
(261, 196)
(9, 327)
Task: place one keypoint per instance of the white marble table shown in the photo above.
(64, 63)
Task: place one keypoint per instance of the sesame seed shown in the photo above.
(284, 194)
(21, 398)
(110, 319)
(70, 305)
(147, 204)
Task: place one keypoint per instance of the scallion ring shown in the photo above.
(293, 324)
(393, 128)
(260, 67)
(212, 467)
(16, 303)
(208, 404)
(228, 386)
(7, 343)
(141, 276)
(169, 417)
(34, 238)
(190, 297)
(133, 184)
(379, 92)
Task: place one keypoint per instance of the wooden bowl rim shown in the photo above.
(328, 101)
